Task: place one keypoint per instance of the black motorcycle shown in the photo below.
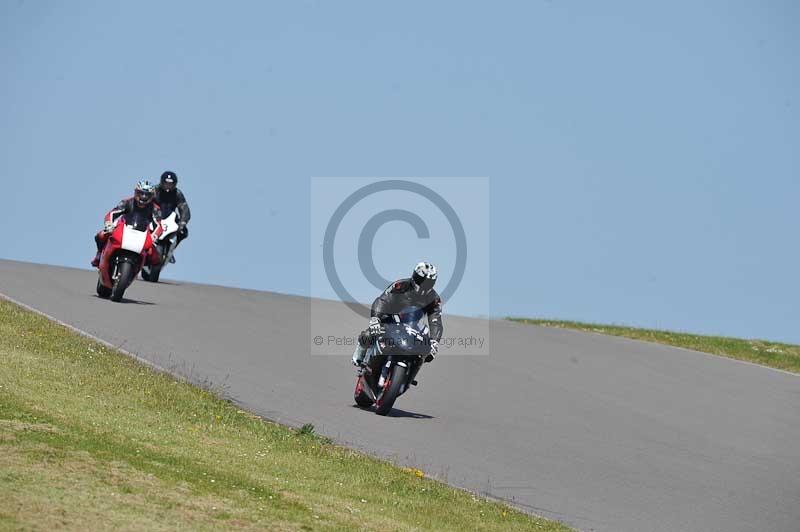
(393, 362)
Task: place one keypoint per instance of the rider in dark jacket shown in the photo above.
(141, 201)
(405, 295)
(170, 198)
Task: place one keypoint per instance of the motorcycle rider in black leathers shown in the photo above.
(415, 294)
(170, 198)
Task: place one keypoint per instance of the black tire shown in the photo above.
(102, 291)
(124, 280)
(391, 389)
(361, 397)
(155, 273)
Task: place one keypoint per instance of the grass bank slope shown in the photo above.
(91, 439)
(772, 354)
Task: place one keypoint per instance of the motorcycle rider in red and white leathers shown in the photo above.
(142, 201)
(413, 294)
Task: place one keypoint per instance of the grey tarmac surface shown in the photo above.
(602, 433)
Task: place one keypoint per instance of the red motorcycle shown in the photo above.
(128, 247)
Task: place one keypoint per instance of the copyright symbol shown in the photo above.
(318, 340)
(370, 229)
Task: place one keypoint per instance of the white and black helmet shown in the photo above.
(143, 193)
(424, 277)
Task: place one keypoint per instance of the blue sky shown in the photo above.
(643, 159)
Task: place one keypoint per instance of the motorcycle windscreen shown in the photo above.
(397, 340)
(411, 316)
(138, 220)
(133, 240)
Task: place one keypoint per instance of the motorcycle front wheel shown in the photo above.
(151, 273)
(125, 273)
(391, 389)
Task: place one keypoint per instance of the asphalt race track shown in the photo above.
(601, 433)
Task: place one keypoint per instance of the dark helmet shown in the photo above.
(143, 193)
(169, 180)
(424, 277)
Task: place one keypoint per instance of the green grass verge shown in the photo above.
(91, 439)
(772, 354)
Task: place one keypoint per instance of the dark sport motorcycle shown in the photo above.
(393, 362)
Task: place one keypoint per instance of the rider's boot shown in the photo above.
(182, 234)
(96, 259)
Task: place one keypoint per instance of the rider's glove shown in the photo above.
(375, 328)
(108, 226)
(434, 350)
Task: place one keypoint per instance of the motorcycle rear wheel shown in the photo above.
(102, 290)
(361, 397)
